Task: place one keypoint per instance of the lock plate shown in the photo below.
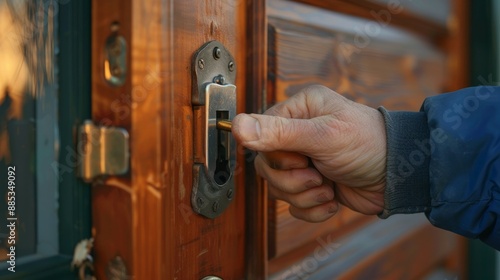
(214, 98)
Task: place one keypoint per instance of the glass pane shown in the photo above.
(28, 129)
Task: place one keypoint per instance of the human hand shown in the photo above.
(345, 142)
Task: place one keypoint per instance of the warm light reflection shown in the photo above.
(107, 72)
(13, 68)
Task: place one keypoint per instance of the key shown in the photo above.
(225, 125)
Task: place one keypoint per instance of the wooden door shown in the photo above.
(143, 223)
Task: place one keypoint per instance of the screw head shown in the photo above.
(231, 66)
(215, 206)
(201, 63)
(217, 53)
(219, 80)
(229, 193)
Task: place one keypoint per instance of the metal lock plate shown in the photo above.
(214, 99)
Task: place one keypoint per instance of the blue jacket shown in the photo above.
(445, 161)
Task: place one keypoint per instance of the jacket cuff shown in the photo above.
(408, 153)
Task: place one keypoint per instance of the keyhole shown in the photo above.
(222, 171)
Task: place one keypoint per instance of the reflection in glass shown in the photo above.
(28, 130)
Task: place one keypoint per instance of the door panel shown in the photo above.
(375, 65)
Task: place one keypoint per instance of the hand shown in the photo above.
(318, 149)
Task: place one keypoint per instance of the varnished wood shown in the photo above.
(457, 46)
(112, 205)
(397, 248)
(255, 189)
(164, 237)
(399, 16)
(413, 256)
(288, 233)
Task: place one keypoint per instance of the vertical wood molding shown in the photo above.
(456, 45)
(255, 189)
(112, 198)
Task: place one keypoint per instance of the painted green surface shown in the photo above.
(483, 55)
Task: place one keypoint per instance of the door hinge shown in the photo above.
(103, 151)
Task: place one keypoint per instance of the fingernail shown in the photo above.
(322, 197)
(249, 128)
(312, 183)
(334, 208)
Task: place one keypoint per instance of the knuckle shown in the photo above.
(316, 88)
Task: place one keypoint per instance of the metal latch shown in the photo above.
(214, 100)
(104, 151)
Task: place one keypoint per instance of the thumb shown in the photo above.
(265, 133)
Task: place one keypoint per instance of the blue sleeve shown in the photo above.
(445, 161)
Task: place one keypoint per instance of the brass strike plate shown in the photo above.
(104, 151)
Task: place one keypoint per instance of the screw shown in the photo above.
(217, 53)
(199, 201)
(201, 63)
(219, 80)
(229, 193)
(215, 206)
(231, 66)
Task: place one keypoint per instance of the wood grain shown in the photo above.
(256, 252)
(456, 45)
(286, 233)
(394, 69)
(402, 247)
(399, 16)
(165, 239)
(112, 204)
